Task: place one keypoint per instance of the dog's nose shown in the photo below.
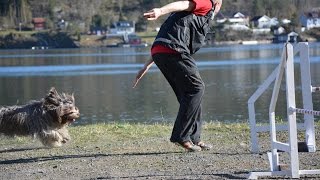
(78, 114)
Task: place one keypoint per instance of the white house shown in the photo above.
(123, 27)
(282, 38)
(274, 21)
(239, 19)
(261, 22)
(285, 21)
(311, 19)
(279, 30)
(293, 37)
(235, 19)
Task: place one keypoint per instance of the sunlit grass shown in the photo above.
(117, 131)
(26, 33)
(131, 136)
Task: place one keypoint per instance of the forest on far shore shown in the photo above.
(83, 14)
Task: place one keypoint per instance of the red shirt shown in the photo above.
(202, 7)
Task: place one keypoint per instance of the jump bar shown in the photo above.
(305, 111)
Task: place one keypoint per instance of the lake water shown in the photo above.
(101, 79)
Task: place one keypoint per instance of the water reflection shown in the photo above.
(102, 78)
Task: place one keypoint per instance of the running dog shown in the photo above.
(46, 119)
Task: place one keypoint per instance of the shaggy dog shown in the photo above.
(46, 119)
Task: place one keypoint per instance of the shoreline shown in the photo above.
(56, 40)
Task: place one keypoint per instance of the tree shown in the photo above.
(258, 8)
(97, 21)
(12, 12)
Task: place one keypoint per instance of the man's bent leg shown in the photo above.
(197, 128)
(188, 123)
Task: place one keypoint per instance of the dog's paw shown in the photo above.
(65, 140)
(51, 139)
(50, 143)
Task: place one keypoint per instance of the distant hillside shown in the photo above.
(81, 14)
(36, 40)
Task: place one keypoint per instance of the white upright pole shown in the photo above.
(293, 142)
(307, 96)
(253, 128)
(251, 109)
(272, 107)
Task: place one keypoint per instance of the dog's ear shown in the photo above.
(72, 97)
(53, 91)
(53, 97)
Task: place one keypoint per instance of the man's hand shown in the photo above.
(142, 72)
(153, 14)
(217, 6)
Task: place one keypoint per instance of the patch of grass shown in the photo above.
(124, 135)
(117, 132)
(147, 37)
(111, 133)
(24, 33)
(147, 34)
(13, 140)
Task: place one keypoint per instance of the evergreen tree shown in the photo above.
(258, 8)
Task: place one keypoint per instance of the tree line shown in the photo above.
(104, 12)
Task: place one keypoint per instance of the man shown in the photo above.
(180, 36)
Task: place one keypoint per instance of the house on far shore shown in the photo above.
(234, 19)
(279, 30)
(239, 19)
(261, 22)
(39, 23)
(291, 37)
(311, 19)
(122, 27)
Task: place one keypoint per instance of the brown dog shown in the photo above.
(46, 119)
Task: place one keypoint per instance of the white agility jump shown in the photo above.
(286, 67)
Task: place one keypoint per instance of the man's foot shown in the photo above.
(204, 146)
(189, 146)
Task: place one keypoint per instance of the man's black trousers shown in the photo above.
(182, 74)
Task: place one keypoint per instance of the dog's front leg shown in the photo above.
(51, 138)
(65, 134)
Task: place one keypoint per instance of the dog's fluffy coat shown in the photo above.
(46, 119)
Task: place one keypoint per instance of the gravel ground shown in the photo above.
(141, 158)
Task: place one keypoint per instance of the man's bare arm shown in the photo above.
(142, 72)
(169, 8)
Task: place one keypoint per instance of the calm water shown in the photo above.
(101, 80)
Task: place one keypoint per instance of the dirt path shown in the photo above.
(138, 158)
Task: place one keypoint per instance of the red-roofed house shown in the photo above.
(39, 23)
